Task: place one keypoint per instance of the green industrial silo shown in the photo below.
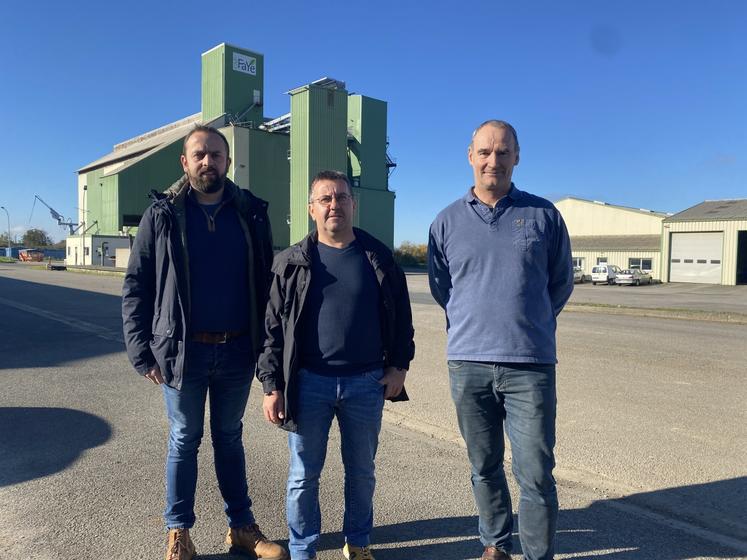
(318, 141)
(233, 85)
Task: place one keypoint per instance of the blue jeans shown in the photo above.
(357, 401)
(225, 371)
(523, 396)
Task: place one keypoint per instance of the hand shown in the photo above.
(394, 379)
(273, 405)
(155, 376)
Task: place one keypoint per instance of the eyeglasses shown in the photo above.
(326, 200)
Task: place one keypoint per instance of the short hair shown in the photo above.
(499, 124)
(329, 175)
(209, 130)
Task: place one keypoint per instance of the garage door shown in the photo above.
(696, 257)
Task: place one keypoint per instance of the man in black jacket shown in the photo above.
(339, 341)
(192, 304)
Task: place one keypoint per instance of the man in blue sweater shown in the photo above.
(499, 263)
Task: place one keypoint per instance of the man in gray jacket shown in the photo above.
(193, 304)
(339, 341)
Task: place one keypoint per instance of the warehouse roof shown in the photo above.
(139, 147)
(628, 208)
(616, 243)
(735, 209)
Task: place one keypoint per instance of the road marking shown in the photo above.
(84, 326)
(403, 421)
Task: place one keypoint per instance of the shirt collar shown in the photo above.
(227, 195)
(513, 194)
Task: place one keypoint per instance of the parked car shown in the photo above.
(633, 276)
(31, 255)
(578, 275)
(604, 273)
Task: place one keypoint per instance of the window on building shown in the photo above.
(68, 251)
(578, 261)
(642, 264)
(601, 260)
(87, 251)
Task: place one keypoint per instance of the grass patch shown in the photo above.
(7, 260)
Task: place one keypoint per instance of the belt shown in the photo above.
(216, 337)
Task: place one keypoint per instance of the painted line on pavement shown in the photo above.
(84, 326)
(574, 476)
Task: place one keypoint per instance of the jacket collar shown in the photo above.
(178, 190)
(378, 254)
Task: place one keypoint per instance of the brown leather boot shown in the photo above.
(180, 546)
(250, 540)
(493, 553)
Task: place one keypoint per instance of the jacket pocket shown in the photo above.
(166, 350)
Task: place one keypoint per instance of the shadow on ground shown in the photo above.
(38, 442)
(613, 529)
(68, 324)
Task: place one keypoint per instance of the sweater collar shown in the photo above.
(513, 195)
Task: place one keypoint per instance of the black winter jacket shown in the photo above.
(279, 362)
(156, 295)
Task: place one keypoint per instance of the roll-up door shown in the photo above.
(696, 257)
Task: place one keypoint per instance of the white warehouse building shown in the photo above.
(704, 244)
(608, 233)
(707, 244)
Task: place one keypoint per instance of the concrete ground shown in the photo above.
(690, 297)
(652, 439)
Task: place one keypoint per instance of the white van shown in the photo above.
(604, 273)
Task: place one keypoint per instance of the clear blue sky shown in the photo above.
(637, 103)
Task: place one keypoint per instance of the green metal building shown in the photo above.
(275, 158)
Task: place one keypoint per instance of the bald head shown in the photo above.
(497, 124)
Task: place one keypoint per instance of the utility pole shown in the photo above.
(10, 250)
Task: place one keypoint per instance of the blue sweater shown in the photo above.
(502, 275)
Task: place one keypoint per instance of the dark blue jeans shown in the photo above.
(357, 402)
(225, 372)
(522, 396)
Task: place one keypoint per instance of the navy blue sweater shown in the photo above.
(341, 329)
(502, 275)
(218, 268)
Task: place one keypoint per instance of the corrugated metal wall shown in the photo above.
(590, 218)
(157, 171)
(230, 78)
(620, 258)
(730, 230)
(375, 213)
(318, 141)
(367, 124)
(260, 164)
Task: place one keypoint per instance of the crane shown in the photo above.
(55, 215)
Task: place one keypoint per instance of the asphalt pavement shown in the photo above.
(651, 451)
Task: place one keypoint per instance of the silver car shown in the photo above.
(633, 276)
(578, 275)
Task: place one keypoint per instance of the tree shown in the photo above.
(411, 254)
(36, 238)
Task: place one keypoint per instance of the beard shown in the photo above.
(206, 183)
